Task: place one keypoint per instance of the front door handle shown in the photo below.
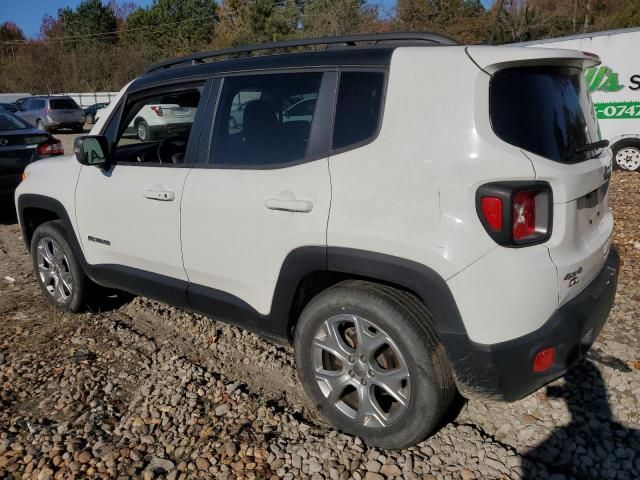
(303, 206)
(161, 195)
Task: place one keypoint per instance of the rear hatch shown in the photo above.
(65, 110)
(540, 103)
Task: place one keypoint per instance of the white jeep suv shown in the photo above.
(437, 221)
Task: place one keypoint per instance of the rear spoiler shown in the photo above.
(492, 59)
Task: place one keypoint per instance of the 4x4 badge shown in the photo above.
(573, 276)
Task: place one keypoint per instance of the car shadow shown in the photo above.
(594, 444)
(7, 211)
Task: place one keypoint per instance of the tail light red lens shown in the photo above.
(492, 211)
(157, 109)
(516, 213)
(523, 219)
(51, 148)
(544, 359)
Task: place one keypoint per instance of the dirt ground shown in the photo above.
(140, 389)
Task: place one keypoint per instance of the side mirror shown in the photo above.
(93, 150)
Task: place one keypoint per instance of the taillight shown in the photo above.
(516, 214)
(157, 109)
(52, 147)
(492, 211)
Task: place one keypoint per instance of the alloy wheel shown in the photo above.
(54, 271)
(361, 371)
(143, 134)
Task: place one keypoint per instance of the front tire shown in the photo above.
(59, 274)
(91, 119)
(626, 155)
(142, 131)
(370, 360)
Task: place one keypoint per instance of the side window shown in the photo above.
(265, 119)
(156, 128)
(358, 107)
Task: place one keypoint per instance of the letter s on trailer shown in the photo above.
(614, 85)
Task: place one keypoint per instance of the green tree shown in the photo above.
(89, 23)
(172, 27)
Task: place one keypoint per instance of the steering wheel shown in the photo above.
(172, 149)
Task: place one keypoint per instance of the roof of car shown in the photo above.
(340, 51)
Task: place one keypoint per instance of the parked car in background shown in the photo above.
(90, 111)
(20, 145)
(170, 115)
(11, 107)
(19, 102)
(52, 113)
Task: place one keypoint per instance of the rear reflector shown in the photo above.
(544, 359)
(492, 211)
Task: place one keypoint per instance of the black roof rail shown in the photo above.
(346, 40)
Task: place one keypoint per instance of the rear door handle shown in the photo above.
(161, 195)
(303, 206)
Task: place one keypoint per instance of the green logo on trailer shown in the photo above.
(602, 79)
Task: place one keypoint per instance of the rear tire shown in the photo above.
(626, 155)
(61, 278)
(393, 387)
(91, 119)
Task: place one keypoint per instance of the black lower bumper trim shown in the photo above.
(504, 371)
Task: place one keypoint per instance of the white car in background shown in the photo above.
(159, 119)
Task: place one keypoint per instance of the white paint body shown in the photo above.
(409, 193)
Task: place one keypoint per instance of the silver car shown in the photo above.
(52, 113)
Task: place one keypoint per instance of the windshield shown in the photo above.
(11, 122)
(62, 104)
(545, 110)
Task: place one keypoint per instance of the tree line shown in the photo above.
(99, 46)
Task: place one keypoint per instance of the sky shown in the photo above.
(27, 14)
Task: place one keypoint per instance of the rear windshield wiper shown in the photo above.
(592, 146)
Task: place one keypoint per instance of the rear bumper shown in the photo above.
(503, 371)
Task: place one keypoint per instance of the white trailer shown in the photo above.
(614, 86)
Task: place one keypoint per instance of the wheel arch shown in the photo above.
(34, 210)
(346, 263)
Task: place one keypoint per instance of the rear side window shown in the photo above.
(265, 120)
(62, 104)
(358, 108)
(545, 110)
(11, 122)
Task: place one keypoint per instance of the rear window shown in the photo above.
(545, 110)
(358, 108)
(62, 104)
(11, 122)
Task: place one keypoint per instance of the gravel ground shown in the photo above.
(143, 390)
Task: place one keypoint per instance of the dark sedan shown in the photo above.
(21, 144)
(91, 110)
